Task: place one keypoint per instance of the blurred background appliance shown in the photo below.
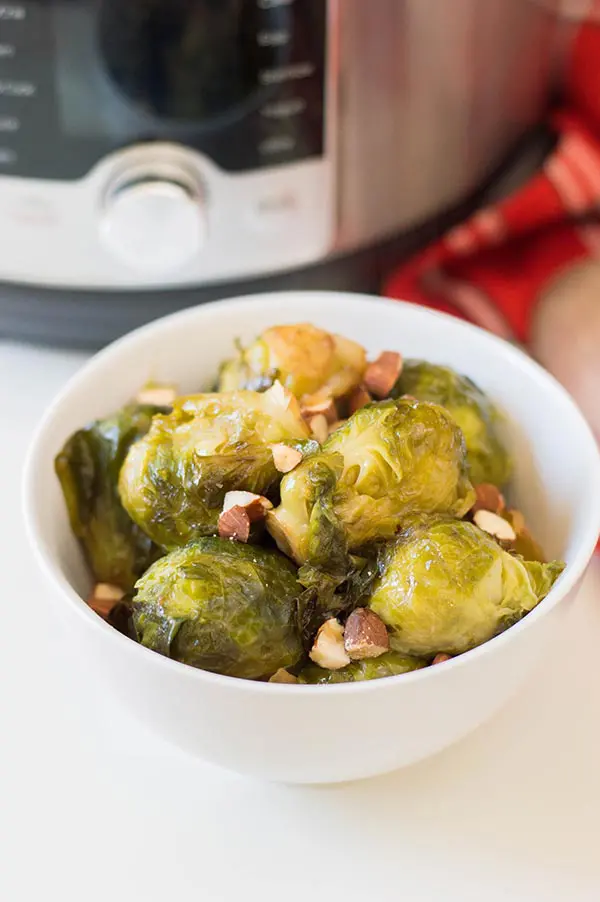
(155, 154)
(526, 264)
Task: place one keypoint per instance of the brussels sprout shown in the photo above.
(389, 664)
(389, 460)
(174, 480)
(471, 409)
(117, 550)
(223, 607)
(446, 586)
(305, 359)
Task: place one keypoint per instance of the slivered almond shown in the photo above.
(358, 399)
(285, 458)
(495, 526)
(489, 498)
(319, 427)
(365, 635)
(326, 408)
(157, 395)
(104, 597)
(383, 373)
(328, 650)
(240, 511)
(282, 676)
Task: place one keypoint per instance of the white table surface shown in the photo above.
(92, 808)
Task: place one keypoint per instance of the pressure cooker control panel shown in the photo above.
(242, 81)
(155, 134)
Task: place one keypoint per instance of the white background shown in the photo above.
(94, 809)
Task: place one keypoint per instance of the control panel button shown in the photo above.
(284, 109)
(273, 38)
(273, 4)
(33, 211)
(276, 145)
(9, 88)
(274, 212)
(11, 12)
(9, 124)
(154, 225)
(283, 74)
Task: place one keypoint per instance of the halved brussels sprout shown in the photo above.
(88, 466)
(306, 360)
(470, 408)
(223, 607)
(447, 586)
(174, 480)
(389, 664)
(389, 460)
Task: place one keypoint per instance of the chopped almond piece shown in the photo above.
(319, 428)
(328, 650)
(282, 676)
(495, 526)
(326, 408)
(108, 592)
(104, 597)
(157, 395)
(240, 511)
(440, 659)
(256, 505)
(359, 398)
(365, 635)
(235, 524)
(285, 458)
(383, 373)
(489, 498)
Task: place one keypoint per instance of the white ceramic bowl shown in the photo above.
(308, 734)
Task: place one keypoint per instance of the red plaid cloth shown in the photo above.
(492, 269)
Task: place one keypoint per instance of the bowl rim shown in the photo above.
(515, 358)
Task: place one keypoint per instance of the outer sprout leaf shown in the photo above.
(389, 664)
(470, 408)
(174, 481)
(118, 551)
